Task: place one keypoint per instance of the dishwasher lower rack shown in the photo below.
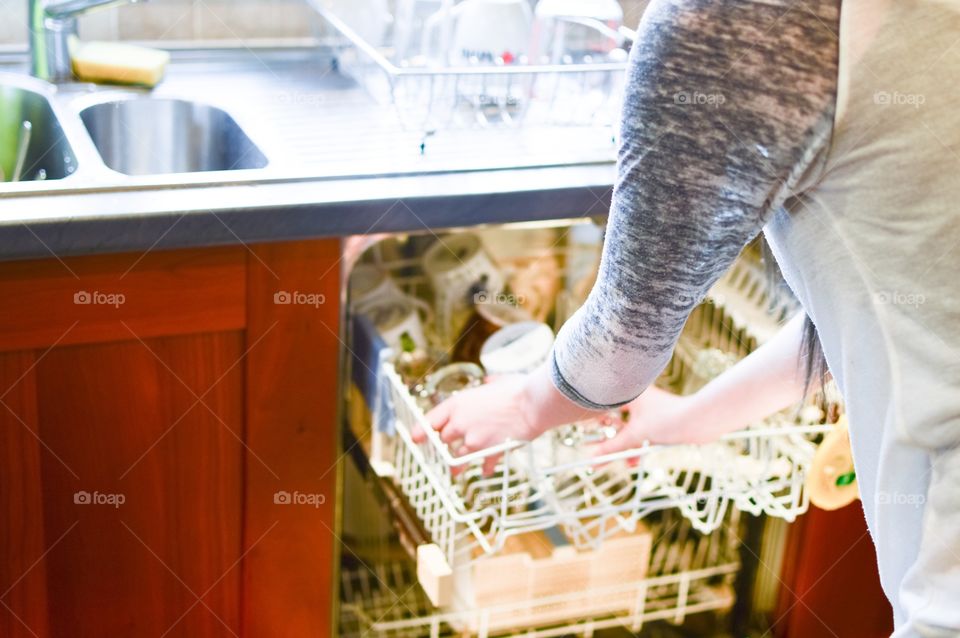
(547, 483)
(687, 573)
(552, 482)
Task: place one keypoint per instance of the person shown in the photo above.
(834, 129)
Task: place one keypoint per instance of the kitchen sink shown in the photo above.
(151, 136)
(48, 154)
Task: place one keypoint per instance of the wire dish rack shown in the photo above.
(689, 573)
(554, 482)
(430, 98)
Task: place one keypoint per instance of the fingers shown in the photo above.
(440, 415)
(450, 433)
(475, 442)
(489, 463)
(624, 440)
(416, 433)
(454, 422)
(461, 450)
(437, 418)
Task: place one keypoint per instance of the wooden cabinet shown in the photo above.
(830, 586)
(168, 443)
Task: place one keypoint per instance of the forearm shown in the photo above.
(767, 381)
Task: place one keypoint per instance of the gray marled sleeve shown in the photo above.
(727, 104)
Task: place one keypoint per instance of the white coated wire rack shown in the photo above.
(544, 484)
(550, 482)
(689, 573)
(431, 98)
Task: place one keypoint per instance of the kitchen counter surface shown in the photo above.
(338, 164)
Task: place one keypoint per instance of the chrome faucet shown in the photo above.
(51, 25)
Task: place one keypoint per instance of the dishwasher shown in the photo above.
(554, 542)
(655, 541)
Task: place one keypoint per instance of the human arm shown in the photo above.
(768, 380)
(721, 118)
(696, 182)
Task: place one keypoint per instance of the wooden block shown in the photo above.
(435, 574)
(526, 573)
(500, 580)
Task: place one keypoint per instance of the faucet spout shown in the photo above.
(51, 25)
(73, 8)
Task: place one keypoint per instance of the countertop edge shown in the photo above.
(165, 218)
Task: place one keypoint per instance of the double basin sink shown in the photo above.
(132, 132)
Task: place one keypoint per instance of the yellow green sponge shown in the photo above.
(117, 63)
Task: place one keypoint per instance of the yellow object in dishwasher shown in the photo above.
(117, 63)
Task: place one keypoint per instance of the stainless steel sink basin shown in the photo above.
(151, 136)
(48, 154)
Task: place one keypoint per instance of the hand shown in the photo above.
(482, 417)
(657, 417)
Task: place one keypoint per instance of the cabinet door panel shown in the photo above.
(149, 433)
(292, 399)
(23, 584)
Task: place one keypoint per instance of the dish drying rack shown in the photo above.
(689, 573)
(432, 98)
(552, 482)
